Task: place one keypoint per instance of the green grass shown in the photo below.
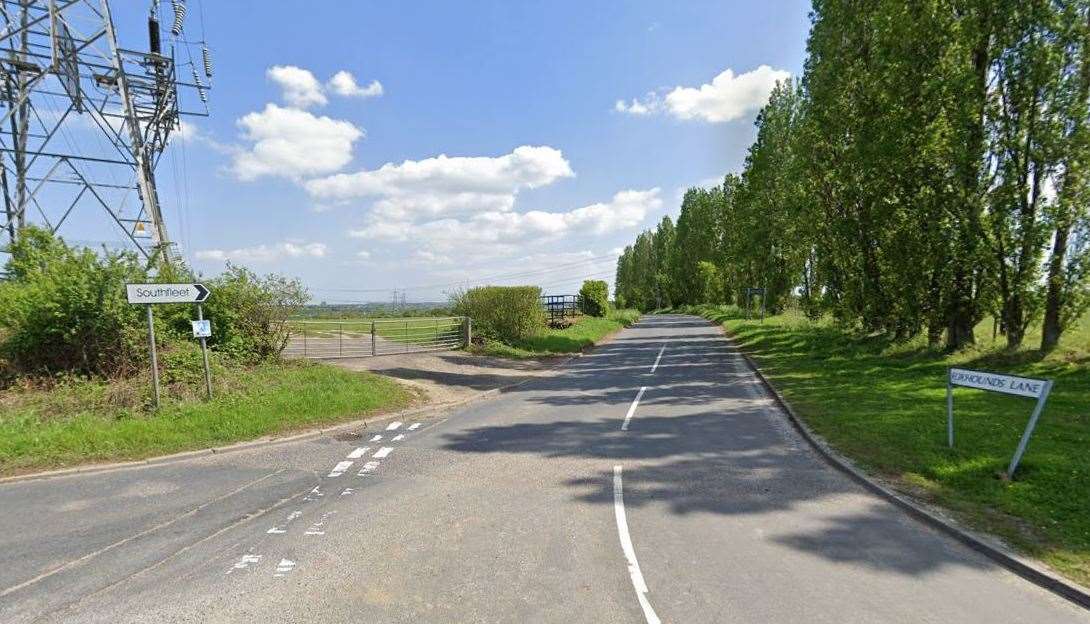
(93, 421)
(585, 332)
(883, 405)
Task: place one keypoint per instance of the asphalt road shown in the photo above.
(558, 501)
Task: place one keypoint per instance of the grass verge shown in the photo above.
(83, 421)
(586, 332)
(883, 405)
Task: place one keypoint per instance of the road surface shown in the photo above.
(562, 500)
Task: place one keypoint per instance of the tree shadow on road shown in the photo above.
(707, 440)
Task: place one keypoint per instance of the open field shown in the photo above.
(883, 405)
(93, 421)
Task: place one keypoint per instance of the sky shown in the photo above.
(430, 146)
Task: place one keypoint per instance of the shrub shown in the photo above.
(504, 313)
(249, 314)
(624, 317)
(594, 296)
(65, 309)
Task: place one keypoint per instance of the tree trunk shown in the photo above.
(1053, 322)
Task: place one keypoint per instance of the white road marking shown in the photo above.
(399, 437)
(629, 551)
(368, 468)
(632, 408)
(279, 529)
(347, 491)
(285, 566)
(414, 426)
(317, 527)
(656, 364)
(314, 494)
(339, 469)
(375, 438)
(393, 425)
(358, 453)
(245, 562)
(383, 452)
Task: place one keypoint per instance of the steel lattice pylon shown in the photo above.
(64, 81)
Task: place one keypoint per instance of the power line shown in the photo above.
(502, 276)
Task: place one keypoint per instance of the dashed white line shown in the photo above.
(414, 426)
(245, 562)
(383, 452)
(285, 566)
(375, 438)
(358, 453)
(399, 437)
(634, 572)
(632, 408)
(280, 529)
(340, 468)
(394, 425)
(659, 357)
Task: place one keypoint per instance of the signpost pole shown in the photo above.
(204, 352)
(1029, 430)
(154, 356)
(949, 411)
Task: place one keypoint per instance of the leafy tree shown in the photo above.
(594, 296)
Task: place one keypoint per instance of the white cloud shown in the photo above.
(726, 98)
(293, 143)
(446, 185)
(363, 254)
(344, 83)
(636, 107)
(626, 209)
(265, 253)
(299, 87)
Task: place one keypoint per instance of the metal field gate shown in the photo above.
(364, 338)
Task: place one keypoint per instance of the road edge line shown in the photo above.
(1027, 569)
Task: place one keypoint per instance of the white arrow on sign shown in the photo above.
(166, 293)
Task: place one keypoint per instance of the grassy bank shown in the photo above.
(585, 332)
(883, 405)
(91, 421)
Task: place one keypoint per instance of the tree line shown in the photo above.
(930, 169)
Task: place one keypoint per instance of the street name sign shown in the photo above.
(1006, 384)
(148, 294)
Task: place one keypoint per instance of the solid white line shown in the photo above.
(632, 408)
(414, 426)
(656, 364)
(358, 453)
(393, 425)
(382, 452)
(339, 469)
(629, 551)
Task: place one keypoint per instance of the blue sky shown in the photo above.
(546, 175)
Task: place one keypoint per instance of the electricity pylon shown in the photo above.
(85, 120)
